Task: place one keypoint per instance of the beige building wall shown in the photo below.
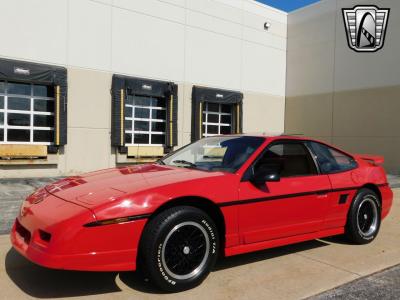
(212, 43)
(89, 121)
(349, 99)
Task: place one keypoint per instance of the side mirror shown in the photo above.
(266, 175)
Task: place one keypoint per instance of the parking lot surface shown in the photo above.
(290, 272)
(383, 285)
(12, 193)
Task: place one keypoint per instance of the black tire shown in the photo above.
(178, 249)
(364, 217)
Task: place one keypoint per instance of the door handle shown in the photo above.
(322, 194)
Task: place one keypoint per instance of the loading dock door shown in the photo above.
(215, 112)
(33, 109)
(144, 116)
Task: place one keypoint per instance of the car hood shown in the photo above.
(95, 188)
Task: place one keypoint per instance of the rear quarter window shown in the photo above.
(330, 160)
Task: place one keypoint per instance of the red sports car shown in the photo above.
(220, 195)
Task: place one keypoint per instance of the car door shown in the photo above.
(294, 205)
(339, 168)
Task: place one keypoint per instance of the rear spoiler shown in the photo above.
(373, 159)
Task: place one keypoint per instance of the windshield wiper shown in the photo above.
(160, 162)
(185, 162)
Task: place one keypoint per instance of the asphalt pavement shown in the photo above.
(384, 285)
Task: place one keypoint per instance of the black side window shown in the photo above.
(290, 159)
(331, 160)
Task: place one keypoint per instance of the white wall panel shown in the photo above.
(212, 59)
(147, 46)
(264, 38)
(264, 69)
(257, 22)
(213, 24)
(156, 8)
(216, 9)
(108, 2)
(234, 3)
(180, 3)
(34, 30)
(89, 34)
(199, 41)
(270, 13)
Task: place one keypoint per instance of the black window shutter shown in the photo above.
(117, 111)
(60, 107)
(237, 117)
(172, 118)
(197, 103)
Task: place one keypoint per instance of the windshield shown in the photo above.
(220, 153)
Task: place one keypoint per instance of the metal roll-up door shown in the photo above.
(53, 77)
(203, 98)
(126, 91)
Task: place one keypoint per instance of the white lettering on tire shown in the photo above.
(212, 235)
(160, 246)
(160, 267)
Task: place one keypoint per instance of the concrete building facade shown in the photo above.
(293, 72)
(333, 93)
(218, 44)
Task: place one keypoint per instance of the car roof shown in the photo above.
(276, 136)
(286, 136)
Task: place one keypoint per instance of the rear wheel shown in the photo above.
(179, 248)
(364, 217)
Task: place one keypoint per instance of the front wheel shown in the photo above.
(179, 248)
(364, 217)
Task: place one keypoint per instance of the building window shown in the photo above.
(145, 120)
(26, 113)
(217, 119)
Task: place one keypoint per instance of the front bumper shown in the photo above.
(71, 246)
(113, 260)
